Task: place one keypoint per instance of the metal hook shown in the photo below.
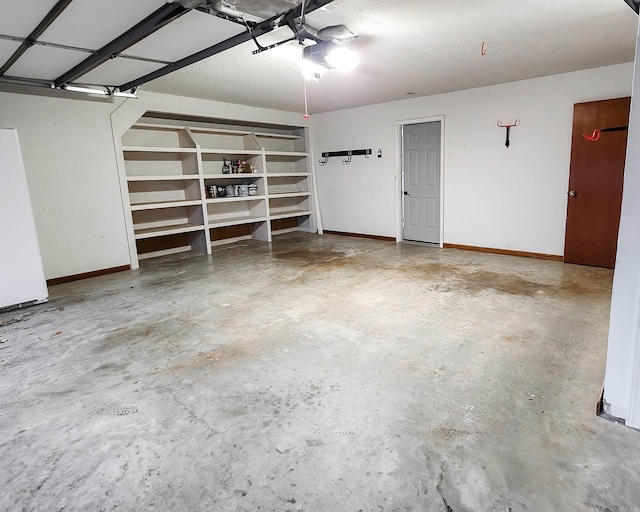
(347, 161)
(324, 160)
(594, 137)
(596, 133)
(483, 49)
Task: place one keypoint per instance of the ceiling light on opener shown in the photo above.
(342, 58)
(312, 70)
(325, 55)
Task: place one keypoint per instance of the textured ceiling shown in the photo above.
(420, 46)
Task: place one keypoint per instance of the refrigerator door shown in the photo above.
(22, 280)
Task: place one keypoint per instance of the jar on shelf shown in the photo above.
(244, 190)
(230, 191)
(253, 189)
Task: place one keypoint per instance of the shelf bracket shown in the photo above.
(255, 139)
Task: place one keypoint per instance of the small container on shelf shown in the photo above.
(237, 166)
(253, 189)
(230, 191)
(244, 190)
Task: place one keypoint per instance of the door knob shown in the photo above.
(406, 193)
(573, 193)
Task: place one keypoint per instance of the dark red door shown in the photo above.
(595, 182)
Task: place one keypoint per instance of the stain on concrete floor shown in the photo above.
(319, 373)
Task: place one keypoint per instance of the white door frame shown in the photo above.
(399, 177)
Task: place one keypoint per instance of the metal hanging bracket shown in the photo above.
(508, 127)
(350, 153)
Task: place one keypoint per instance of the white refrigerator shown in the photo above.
(22, 281)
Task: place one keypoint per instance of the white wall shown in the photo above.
(493, 196)
(71, 164)
(622, 377)
(73, 183)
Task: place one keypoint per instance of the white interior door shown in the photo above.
(421, 182)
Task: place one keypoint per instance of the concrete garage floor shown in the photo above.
(316, 374)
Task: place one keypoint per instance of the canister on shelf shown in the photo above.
(231, 191)
(222, 192)
(253, 189)
(244, 190)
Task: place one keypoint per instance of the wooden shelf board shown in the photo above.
(158, 177)
(156, 205)
(201, 129)
(166, 230)
(288, 214)
(277, 136)
(164, 252)
(221, 131)
(276, 232)
(242, 153)
(234, 199)
(227, 241)
(300, 154)
(194, 129)
(276, 195)
(156, 149)
(288, 174)
(234, 221)
(245, 175)
(164, 127)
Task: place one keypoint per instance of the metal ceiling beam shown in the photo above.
(16, 80)
(258, 30)
(58, 46)
(158, 19)
(57, 9)
(634, 4)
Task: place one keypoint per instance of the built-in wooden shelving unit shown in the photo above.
(170, 169)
